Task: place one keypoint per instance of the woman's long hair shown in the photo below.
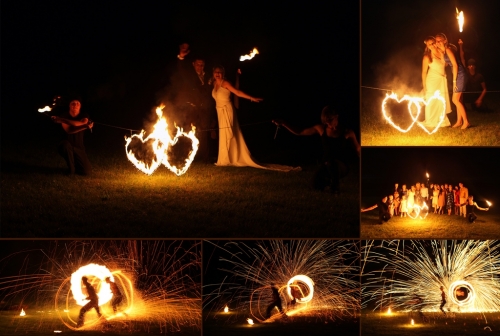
(427, 51)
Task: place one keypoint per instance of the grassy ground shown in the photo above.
(217, 324)
(433, 226)
(46, 323)
(375, 131)
(438, 324)
(38, 200)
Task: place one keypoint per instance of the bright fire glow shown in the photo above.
(226, 309)
(460, 18)
(427, 174)
(249, 56)
(304, 279)
(418, 209)
(23, 313)
(488, 202)
(389, 312)
(92, 271)
(471, 293)
(161, 140)
(418, 102)
(250, 321)
(45, 109)
(412, 322)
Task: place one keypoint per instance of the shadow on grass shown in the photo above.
(24, 168)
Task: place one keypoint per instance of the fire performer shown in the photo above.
(469, 206)
(117, 294)
(464, 195)
(72, 149)
(295, 292)
(443, 299)
(383, 210)
(93, 303)
(335, 141)
(193, 99)
(275, 303)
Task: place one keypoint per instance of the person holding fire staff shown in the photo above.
(469, 206)
(93, 302)
(74, 123)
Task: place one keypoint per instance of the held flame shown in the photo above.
(412, 322)
(389, 312)
(226, 309)
(460, 18)
(489, 203)
(45, 109)
(250, 321)
(427, 174)
(159, 141)
(23, 313)
(249, 56)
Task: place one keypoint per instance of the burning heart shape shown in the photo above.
(147, 154)
(418, 103)
(417, 209)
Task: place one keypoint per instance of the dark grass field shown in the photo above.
(39, 200)
(47, 323)
(229, 324)
(438, 324)
(375, 131)
(434, 226)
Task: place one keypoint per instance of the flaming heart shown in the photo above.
(418, 209)
(157, 144)
(418, 102)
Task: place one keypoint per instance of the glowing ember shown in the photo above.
(249, 56)
(489, 203)
(304, 280)
(57, 331)
(160, 140)
(226, 309)
(45, 109)
(412, 322)
(427, 174)
(389, 312)
(460, 18)
(418, 103)
(23, 313)
(92, 271)
(250, 321)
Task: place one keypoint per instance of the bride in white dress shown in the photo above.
(434, 79)
(233, 150)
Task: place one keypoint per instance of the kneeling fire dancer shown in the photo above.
(469, 206)
(383, 210)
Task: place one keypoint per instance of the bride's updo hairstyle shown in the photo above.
(328, 114)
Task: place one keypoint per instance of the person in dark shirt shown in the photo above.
(470, 205)
(443, 299)
(383, 210)
(93, 302)
(275, 303)
(335, 140)
(72, 149)
(117, 294)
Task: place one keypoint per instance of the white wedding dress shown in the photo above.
(436, 80)
(233, 150)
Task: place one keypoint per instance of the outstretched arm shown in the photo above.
(462, 54)
(316, 129)
(484, 209)
(239, 93)
(370, 208)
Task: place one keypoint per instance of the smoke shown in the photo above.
(401, 73)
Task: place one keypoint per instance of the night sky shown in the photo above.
(476, 168)
(116, 55)
(393, 32)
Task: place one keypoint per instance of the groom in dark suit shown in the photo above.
(193, 99)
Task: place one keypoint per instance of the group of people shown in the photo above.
(439, 199)
(190, 95)
(438, 55)
(94, 299)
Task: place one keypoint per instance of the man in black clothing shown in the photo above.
(275, 303)
(383, 210)
(93, 303)
(74, 123)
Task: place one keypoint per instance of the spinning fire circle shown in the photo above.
(462, 293)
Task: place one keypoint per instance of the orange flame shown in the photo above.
(161, 140)
(226, 309)
(488, 202)
(412, 322)
(389, 312)
(45, 109)
(250, 321)
(460, 18)
(427, 174)
(418, 103)
(249, 56)
(23, 313)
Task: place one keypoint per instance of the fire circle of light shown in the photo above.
(418, 103)
(419, 210)
(304, 279)
(95, 271)
(471, 296)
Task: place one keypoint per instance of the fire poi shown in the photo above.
(414, 103)
(460, 18)
(157, 144)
